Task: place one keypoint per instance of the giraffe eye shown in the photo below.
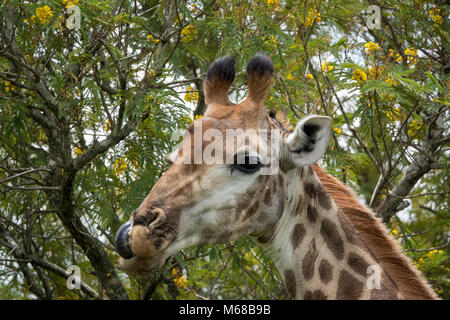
(247, 163)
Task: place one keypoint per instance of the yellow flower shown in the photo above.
(312, 17)
(107, 125)
(326, 67)
(389, 81)
(391, 53)
(191, 95)
(78, 151)
(272, 41)
(181, 282)
(43, 13)
(290, 77)
(435, 15)
(188, 33)
(411, 55)
(375, 71)
(69, 3)
(371, 47)
(150, 37)
(271, 3)
(309, 76)
(414, 127)
(394, 114)
(198, 116)
(25, 21)
(337, 130)
(9, 87)
(119, 166)
(359, 75)
(398, 58)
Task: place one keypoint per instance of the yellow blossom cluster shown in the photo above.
(414, 127)
(326, 67)
(394, 114)
(371, 47)
(150, 38)
(78, 151)
(198, 116)
(395, 233)
(430, 255)
(290, 76)
(107, 125)
(312, 17)
(271, 3)
(375, 71)
(43, 13)
(411, 55)
(338, 131)
(359, 75)
(309, 76)
(272, 41)
(191, 94)
(119, 167)
(180, 281)
(9, 87)
(435, 15)
(188, 33)
(69, 3)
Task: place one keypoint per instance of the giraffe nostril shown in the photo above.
(158, 217)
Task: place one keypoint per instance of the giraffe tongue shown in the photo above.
(121, 241)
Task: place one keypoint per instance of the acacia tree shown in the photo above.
(87, 116)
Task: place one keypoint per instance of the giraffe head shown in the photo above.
(226, 176)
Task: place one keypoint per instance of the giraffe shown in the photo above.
(324, 244)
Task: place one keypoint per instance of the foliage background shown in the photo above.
(86, 118)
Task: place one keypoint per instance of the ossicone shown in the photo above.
(259, 77)
(218, 81)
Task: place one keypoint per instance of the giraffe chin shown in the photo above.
(142, 267)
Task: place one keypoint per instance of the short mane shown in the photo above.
(374, 233)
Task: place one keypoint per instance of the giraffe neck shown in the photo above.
(317, 250)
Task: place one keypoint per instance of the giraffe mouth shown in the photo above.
(145, 239)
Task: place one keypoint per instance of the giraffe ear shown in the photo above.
(309, 141)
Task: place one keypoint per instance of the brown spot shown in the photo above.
(311, 213)
(316, 295)
(290, 281)
(310, 261)
(297, 235)
(280, 180)
(251, 210)
(298, 205)
(310, 171)
(310, 190)
(349, 288)
(357, 263)
(323, 197)
(325, 271)
(331, 236)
